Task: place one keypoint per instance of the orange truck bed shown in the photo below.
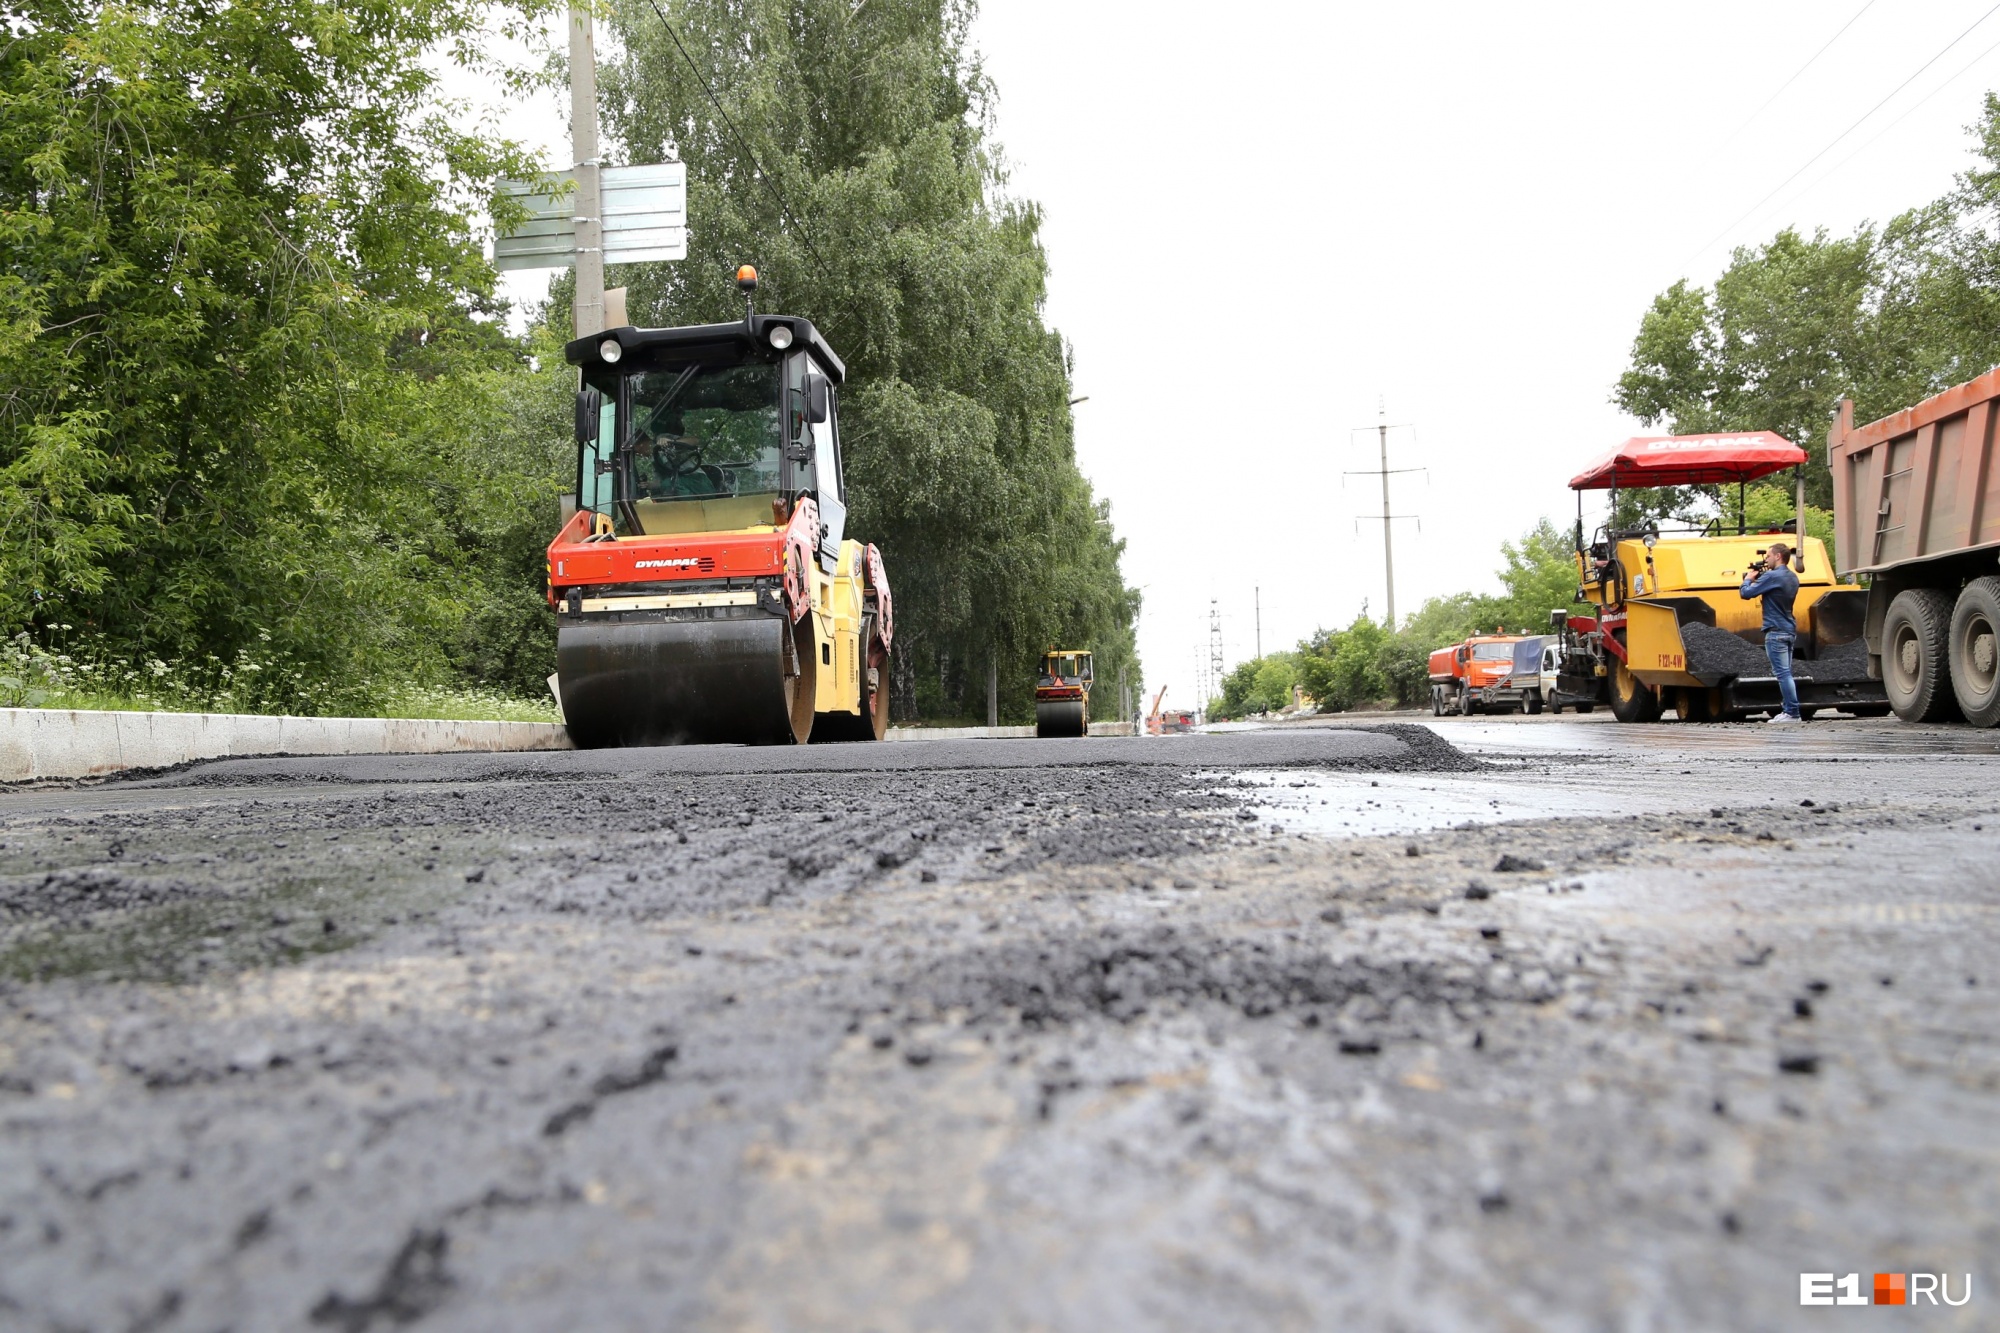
(1918, 485)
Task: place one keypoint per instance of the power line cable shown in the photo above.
(770, 182)
(1795, 75)
(1832, 143)
(1834, 170)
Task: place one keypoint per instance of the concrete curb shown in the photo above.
(994, 733)
(53, 743)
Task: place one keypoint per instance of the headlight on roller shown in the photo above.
(610, 350)
(781, 336)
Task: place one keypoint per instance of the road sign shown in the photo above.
(547, 239)
(645, 212)
(644, 217)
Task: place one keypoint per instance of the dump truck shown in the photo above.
(1470, 677)
(1916, 510)
(704, 584)
(1062, 693)
(1671, 630)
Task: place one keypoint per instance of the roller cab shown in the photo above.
(704, 584)
(1062, 693)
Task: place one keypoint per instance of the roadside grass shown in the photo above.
(440, 705)
(33, 677)
(446, 705)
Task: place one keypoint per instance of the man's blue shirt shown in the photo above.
(1777, 587)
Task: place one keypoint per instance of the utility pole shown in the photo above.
(1388, 526)
(1389, 518)
(583, 139)
(992, 686)
(1257, 604)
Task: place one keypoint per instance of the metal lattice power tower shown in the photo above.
(1214, 644)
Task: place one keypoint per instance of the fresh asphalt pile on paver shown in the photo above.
(982, 1035)
(1722, 653)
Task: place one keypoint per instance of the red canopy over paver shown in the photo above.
(1690, 460)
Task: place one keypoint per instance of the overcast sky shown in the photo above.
(1266, 221)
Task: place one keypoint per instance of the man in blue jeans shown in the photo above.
(1778, 586)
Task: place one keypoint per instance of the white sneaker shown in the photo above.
(1784, 717)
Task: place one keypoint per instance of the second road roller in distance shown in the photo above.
(1062, 694)
(705, 587)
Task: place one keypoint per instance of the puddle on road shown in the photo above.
(1358, 805)
(1848, 738)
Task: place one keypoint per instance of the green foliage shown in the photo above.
(245, 331)
(1339, 669)
(1354, 669)
(1766, 507)
(1275, 678)
(1261, 685)
(902, 246)
(1449, 618)
(1237, 688)
(258, 420)
(508, 456)
(1885, 317)
(1539, 575)
(1403, 666)
(34, 676)
(1367, 664)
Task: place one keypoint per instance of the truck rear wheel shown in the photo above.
(1916, 674)
(1531, 702)
(1632, 700)
(1975, 652)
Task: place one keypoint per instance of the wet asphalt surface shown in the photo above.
(1491, 1023)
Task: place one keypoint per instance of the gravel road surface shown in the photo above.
(1537, 1024)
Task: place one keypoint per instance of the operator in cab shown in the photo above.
(670, 464)
(1778, 586)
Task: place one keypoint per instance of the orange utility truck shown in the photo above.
(1462, 674)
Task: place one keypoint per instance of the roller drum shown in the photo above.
(1059, 717)
(682, 682)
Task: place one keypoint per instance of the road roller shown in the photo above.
(1062, 694)
(704, 584)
